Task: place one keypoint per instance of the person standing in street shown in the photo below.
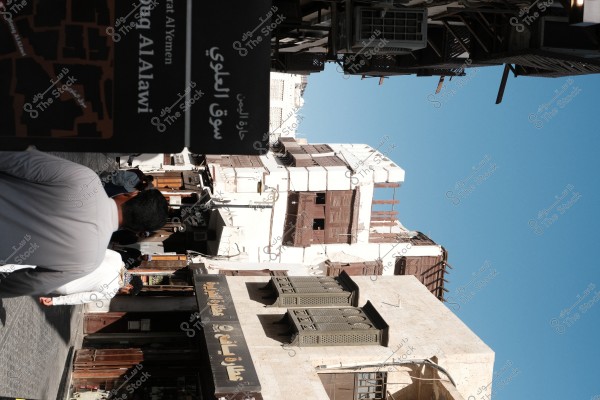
(56, 215)
(99, 286)
(128, 181)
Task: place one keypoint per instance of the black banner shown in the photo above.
(116, 76)
(232, 370)
(231, 65)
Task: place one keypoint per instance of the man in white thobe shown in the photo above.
(55, 214)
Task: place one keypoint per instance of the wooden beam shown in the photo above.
(384, 213)
(162, 264)
(385, 234)
(440, 84)
(458, 39)
(386, 201)
(502, 84)
(383, 223)
(483, 46)
(383, 237)
(452, 11)
(157, 257)
(152, 271)
(485, 23)
(174, 290)
(387, 185)
(434, 48)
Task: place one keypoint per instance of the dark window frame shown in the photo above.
(318, 224)
(320, 198)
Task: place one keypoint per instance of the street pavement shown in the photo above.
(34, 344)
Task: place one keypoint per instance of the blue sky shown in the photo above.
(479, 177)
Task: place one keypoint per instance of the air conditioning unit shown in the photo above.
(389, 31)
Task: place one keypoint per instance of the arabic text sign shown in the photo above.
(231, 364)
(233, 114)
(135, 76)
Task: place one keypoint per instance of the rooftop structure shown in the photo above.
(441, 38)
(285, 103)
(318, 206)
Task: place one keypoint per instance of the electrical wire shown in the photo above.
(413, 362)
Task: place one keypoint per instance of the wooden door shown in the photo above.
(339, 386)
(338, 216)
